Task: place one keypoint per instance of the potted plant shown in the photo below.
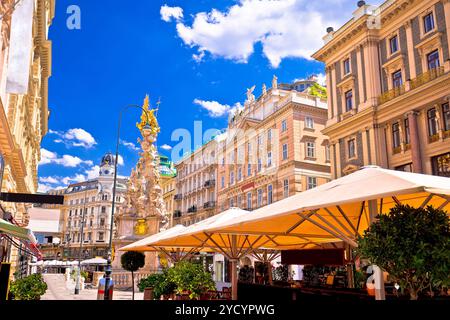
(29, 288)
(190, 278)
(132, 261)
(413, 246)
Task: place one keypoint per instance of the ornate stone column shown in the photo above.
(410, 45)
(415, 142)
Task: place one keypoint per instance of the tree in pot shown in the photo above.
(132, 261)
(412, 245)
(191, 277)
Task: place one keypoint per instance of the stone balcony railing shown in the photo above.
(411, 84)
(123, 279)
(209, 204)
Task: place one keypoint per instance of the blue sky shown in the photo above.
(198, 56)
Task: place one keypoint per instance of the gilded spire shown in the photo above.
(148, 117)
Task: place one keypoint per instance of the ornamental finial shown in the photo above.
(148, 117)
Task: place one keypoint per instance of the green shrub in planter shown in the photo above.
(191, 277)
(29, 288)
(160, 283)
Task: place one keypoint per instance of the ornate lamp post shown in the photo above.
(108, 269)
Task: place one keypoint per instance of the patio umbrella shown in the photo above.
(336, 211)
(174, 253)
(94, 261)
(233, 246)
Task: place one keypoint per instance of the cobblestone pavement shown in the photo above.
(58, 290)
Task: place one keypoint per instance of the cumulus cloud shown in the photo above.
(93, 172)
(166, 147)
(286, 28)
(44, 188)
(169, 13)
(49, 157)
(120, 161)
(216, 109)
(129, 145)
(76, 137)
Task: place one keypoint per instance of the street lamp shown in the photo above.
(108, 268)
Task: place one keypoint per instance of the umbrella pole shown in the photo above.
(234, 280)
(380, 293)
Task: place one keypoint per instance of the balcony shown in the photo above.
(209, 205)
(411, 85)
(178, 196)
(209, 183)
(177, 214)
(192, 209)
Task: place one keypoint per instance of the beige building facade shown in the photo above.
(25, 67)
(273, 148)
(388, 79)
(196, 187)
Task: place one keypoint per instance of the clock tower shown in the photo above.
(107, 165)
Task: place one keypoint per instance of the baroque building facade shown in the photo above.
(25, 66)
(273, 147)
(388, 79)
(91, 199)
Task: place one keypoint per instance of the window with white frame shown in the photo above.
(310, 149)
(285, 151)
(269, 194)
(239, 174)
(232, 177)
(286, 188)
(309, 123)
(249, 170)
(346, 66)
(249, 200)
(283, 125)
(259, 164)
(269, 159)
(428, 22)
(393, 44)
(312, 182)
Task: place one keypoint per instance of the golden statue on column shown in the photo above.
(144, 212)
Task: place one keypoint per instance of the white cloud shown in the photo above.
(49, 157)
(287, 28)
(169, 13)
(120, 161)
(166, 147)
(76, 137)
(216, 109)
(129, 145)
(93, 172)
(44, 188)
(76, 178)
(51, 180)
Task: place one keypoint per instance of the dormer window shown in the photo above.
(346, 66)
(393, 43)
(428, 22)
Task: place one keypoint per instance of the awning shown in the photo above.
(16, 231)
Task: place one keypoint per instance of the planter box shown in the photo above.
(148, 294)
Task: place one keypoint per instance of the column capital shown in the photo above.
(412, 113)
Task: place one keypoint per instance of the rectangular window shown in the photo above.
(269, 159)
(428, 22)
(222, 182)
(396, 135)
(309, 123)
(349, 100)
(269, 136)
(249, 200)
(100, 236)
(283, 126)
(406, 131)
(312, 182)
(260, 139)
(70, 213)
(433, 60)
(327, 153)
(259, 164)
(231, 202)
(285, 152)
(310, 149)
(286, 188)
(249, 148)
(397, 80)
(269, 194)
(239, 174)
(260, 195)
(239, 200)
(441, 165)
(346, 66)
(102, 222)
(232, 177)
(249, 170)
(351, 148)
(393, 43)
(103, 210)
(446, 116)
(432, 126)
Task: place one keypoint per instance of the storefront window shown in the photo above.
(441, 165)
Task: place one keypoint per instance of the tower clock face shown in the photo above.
(106, 171)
